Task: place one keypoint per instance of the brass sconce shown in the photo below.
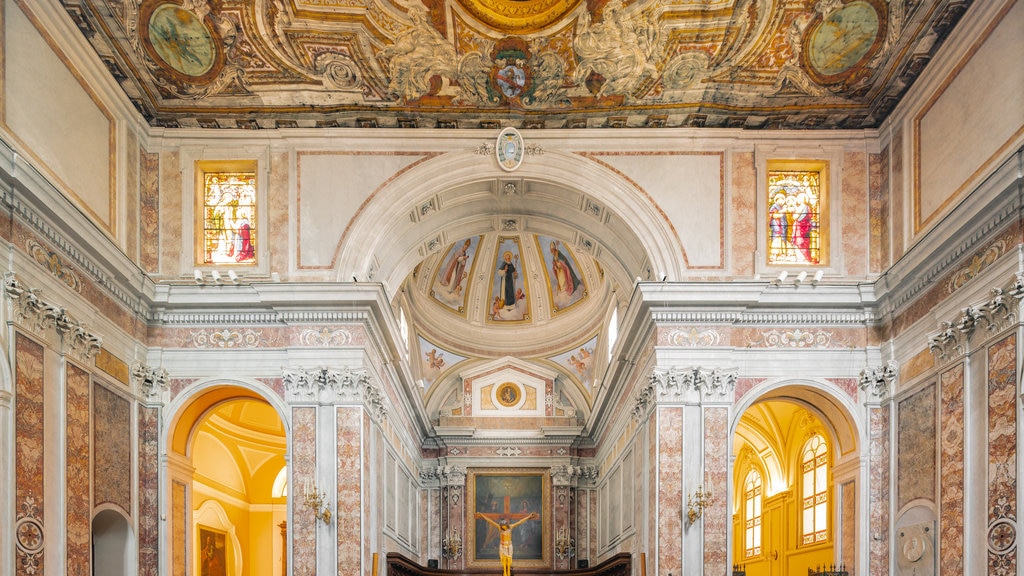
(565, 545)
(318, 501)
(697, 502)
(451, 545)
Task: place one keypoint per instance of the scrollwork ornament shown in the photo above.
(150, 382)
(878, 380)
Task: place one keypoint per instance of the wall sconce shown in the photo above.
(451, 545)
(565, 546)
(697, 502)
(317, 500)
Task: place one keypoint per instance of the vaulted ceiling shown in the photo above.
(756, 64)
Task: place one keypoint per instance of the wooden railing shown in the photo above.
(618, 565)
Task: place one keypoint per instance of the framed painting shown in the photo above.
(212, 552)
(508, 496)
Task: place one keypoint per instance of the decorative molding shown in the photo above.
(149, 382)
(327, 386)
(796, 338)
(279, 317)
(508, 451)
(858, 318)
(878, 380)
(54, 263)
(43, 316)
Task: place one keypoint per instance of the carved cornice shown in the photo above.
(259, 317)
(858, 318)
(448, 476)
(149, 382)
(878, 380)
(327, 386)
(41, 315)
(996, 313)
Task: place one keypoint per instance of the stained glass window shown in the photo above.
(814, 465)
(229, 218)
(752, 514)
(795, 227)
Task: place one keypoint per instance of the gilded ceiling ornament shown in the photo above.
(519, 16)
(614, 53)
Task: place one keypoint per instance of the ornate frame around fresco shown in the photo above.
(513, 474)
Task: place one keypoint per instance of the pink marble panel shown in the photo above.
(149, 491)
(28, 456)
(854, 182)
(181, 519)
(915, 453)
(715, 518)
(78, 521)
(169, 201)
(951, 490)
(848, 385)
(277, 211)
(149, 211)
(878, 185)
(303, 524)
(131, 198)
(849, 527)
(275, 384)
(176, 385)
(897, 192)
(744, 385)
(744, 227)
(670, 490)
(350, 489)
(879, 458)
(1002, 458)
(112, 430)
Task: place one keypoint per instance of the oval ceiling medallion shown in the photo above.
(181, 41)
(519, 16)
(843, 40)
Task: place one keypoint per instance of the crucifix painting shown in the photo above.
(510, 499)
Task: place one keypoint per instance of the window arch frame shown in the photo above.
(815, 460)
(752, 526)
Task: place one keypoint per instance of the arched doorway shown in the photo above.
(113, 545)
(794, 483)
(228, 500)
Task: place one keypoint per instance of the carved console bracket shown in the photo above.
(42, 315)
(878, 380)
(149, 382)
(994, 314)
(674, 383)
(327, 386)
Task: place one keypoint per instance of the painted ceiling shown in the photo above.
(757, 64)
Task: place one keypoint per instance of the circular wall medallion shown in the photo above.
(180, 40)
(29, 534)
(508, 394)
(509, 149)
(1002, 536)
(838, 44)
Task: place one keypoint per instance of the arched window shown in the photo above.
(752, 514)
(815, 490)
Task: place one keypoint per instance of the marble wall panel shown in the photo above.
(131, 199)
(744, 226)
(879, 458)
(112, 430)
(78, 521)
(28, 457)
(277, 211)
(849, 525)
(915, 452)
(854, 202)
(897, 193)
(350, 489)
(149, 491)
(149, 211)
(303, 523)
(716, 479)
(951, 460)
(1002, 458)
(170, 209)
(880, 194)
(670, 490)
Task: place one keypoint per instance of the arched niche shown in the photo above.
(113, 544)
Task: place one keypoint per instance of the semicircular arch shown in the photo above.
(560, 194)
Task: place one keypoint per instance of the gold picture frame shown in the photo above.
(508, 494)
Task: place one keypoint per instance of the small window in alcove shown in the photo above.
(228, 210)
(796, 222)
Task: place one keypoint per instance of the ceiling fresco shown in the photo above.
(757, 64)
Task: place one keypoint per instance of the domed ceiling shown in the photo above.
(759, 64)
(496, 295)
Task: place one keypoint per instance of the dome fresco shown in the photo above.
(488, 296)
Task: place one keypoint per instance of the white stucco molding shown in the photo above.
(330, 386)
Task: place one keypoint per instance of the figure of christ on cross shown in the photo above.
(505, 532)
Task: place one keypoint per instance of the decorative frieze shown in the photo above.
(43, 316)
(149, 382)
(327, 386)
(878, 380)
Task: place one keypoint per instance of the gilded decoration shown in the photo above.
(719, 63)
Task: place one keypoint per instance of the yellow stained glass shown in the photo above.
(794, 217)
(229, 218)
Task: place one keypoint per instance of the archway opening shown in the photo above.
(113, 545)
(794, 482)
(229, 485)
